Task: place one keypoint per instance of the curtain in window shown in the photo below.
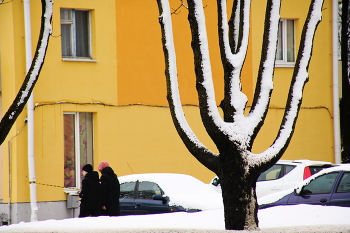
(66, 30)
(69, 151)
(82, 33)
(279, 55)
(85, 139)
(290, 41)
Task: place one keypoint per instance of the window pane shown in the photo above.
(272, 174)
(82, 33)
(290, 41)
(66, 14)
(85, 139)
(148, 189)
(66, 32)
(322, 184)
(127, 190)
(69, 151)
(279, 55)
(344, 185)
(288, 169)
(66, 39)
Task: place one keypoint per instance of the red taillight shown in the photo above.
(307, 172)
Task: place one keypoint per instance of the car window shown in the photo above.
(315, 169)
(344, 185)
(288, 168)
(271, 174)
(322, 184)
(127, 189)
(148, 189)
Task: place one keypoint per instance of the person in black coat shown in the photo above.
(90, 193)
(110, 190)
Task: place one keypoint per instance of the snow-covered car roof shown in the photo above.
(183, 190)
(302, 161)
(279, 195)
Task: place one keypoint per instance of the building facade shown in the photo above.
(101, 95)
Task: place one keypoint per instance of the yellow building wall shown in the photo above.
(130, 70)
(12, 75)
(313, 136)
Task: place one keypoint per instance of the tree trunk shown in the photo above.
(240, 203)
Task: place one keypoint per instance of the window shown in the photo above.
(78, 146)
(271, 174)
(322, 184)
(148, 189)
(75, 33)
(344, 185)
(286, 43)
(127, 189)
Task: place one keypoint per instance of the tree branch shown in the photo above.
(33, 74)
(300, 77)
(196, 148)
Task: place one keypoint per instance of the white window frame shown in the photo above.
(77, 151)
(283, 62)
(74, 56)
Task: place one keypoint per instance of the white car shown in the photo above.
(153, 193)
(285, 174)
(329, 187)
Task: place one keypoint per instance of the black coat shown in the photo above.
(110, 191)
(90, 195)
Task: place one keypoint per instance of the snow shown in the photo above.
(183, 190)
(243, 127)
(277, 219)
(209, 220)
(165, 20)
(41, 52)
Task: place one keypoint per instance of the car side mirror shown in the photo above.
(160, 197)
(302, 191)
(305, 192)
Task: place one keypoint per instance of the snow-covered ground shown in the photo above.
(298, 218)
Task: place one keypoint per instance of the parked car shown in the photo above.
(329, 187)
(155, 193)
(283, 175)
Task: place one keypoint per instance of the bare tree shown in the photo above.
(345, 100)
(33, 73)
(236, 166)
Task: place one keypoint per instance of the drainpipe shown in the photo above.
(336, 117)
(30, 112)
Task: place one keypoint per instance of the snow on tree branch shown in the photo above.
(33, 74)
(266, 70)
(184, 130)
(300, 77)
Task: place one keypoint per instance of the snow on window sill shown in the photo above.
(71, 191)
(284, 64)
(79, 59)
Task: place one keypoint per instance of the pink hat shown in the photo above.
(102, 165)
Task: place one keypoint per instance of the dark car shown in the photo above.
(329, 187)
(165, 193)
